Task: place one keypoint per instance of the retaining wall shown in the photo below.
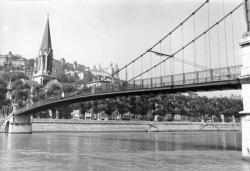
(63, 125)
(50, 125)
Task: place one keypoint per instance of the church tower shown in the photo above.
(44, 61)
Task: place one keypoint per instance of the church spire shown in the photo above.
(46, 45)
(44, 61)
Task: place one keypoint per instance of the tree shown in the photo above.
(95, 106)
(21, 92)
(132, 105)
(69, 88)
(3, 91)
(37, 89)
(65, 111)
(83, 107)
(6, 76)
(109, 107)
(61, 77)
(67, 78)
(123, 105)
(54, 90)
(72, 78)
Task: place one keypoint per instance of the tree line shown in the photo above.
(195, 108)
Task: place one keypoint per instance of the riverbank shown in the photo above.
(70, 125)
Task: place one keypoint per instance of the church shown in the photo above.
(44, 61)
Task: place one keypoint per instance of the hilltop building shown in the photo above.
(107, 73)
(103, 78)
(14, 63)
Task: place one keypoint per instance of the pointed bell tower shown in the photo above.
(44, 61)
(9, 89)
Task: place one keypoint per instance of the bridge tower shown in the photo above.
(245, 84)
(17, 123)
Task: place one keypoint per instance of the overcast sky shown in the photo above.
(94, 32)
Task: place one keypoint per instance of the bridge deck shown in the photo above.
(215, 79)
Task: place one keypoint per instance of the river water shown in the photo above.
(177, 151)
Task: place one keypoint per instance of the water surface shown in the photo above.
(123, 151)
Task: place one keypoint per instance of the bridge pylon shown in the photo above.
(245, 85)
(17, 123)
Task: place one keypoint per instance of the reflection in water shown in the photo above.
(223, 140)
(245, 166)
(123, 151)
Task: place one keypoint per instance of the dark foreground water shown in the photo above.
(188, 151)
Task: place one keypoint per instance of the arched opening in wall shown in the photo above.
(7, 127)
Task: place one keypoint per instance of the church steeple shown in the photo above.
(44, 61)
(46, 45)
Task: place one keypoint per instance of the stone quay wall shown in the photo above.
(70, 125)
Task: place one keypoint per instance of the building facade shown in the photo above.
(57, 67)
(13, 62)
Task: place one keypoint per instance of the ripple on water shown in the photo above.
(123, 151)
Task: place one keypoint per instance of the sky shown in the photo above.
(94, 32)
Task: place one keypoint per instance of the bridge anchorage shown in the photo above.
(17, 123)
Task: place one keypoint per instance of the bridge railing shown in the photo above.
(245, 71)
(217, 74)
(205, 76)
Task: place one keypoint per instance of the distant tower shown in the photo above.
(45, 58)
(8, 94)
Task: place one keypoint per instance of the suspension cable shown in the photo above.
(233, 37)
(133, 69)
(205, 37)
(155, 71)
(185, 61)
(194, 43)
(126, 74)
(151, 64)
(141, 66)
(190, 63)
(197, 65)
(218, 40)
(200, 35)
(182, 56)
(209, 37)
(173, 30)
(170, 52)
(160, 58)
(164, 66)
(225, 31)
(179, 60)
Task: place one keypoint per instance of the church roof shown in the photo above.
(46, 41)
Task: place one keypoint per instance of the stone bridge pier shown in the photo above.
(245, 85)
(17, 123)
